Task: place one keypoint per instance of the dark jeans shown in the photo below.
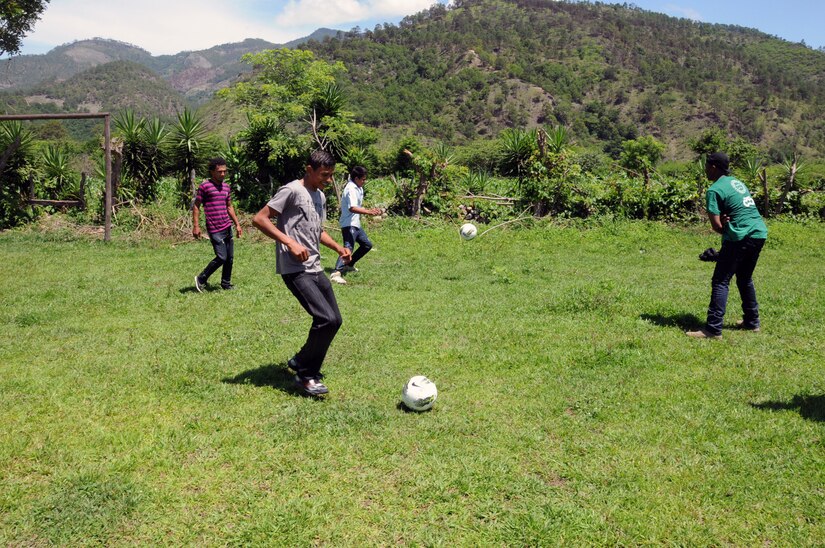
(314, 292)
(224, 247)
(739, 259)
(352, 234)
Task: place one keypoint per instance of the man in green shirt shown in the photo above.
(732, 213)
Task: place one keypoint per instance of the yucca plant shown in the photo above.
(155, 137)
(56, 168)
(129, 128)
(187, 138)
(557, 139)
(517, 146)
(16, 162)
(14, 140)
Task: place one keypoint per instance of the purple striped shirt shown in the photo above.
(215, 205)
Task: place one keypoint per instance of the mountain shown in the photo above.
(606, 72)
(463, 73)
(110, 87)
(195, 74)
(63, 62)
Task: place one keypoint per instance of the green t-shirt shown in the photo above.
(729, 196)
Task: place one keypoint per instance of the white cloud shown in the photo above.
(159, 26)
(331, 13)
(172, 26)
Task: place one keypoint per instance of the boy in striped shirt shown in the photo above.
(216, 198)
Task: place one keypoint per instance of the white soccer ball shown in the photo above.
(468, 231)
(419, 393)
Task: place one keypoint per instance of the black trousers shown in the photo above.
(735, 259)
(224, 247)
(314, 292)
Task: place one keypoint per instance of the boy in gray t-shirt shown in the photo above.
(300, 209)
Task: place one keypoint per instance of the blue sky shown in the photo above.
(793, 20)
(171, 26)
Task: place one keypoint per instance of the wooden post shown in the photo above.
(107, 200)
(763, 176)
(82, 197)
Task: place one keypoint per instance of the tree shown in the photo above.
(641, 156)
(17, 18)
(293, 105)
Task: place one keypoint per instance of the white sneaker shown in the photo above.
(337, 278)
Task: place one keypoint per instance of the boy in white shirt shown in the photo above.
(352, 199)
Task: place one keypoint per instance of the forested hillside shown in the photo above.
(607, 72)
(63, 62)
(196, 74)
(111, 87)
(462, 74)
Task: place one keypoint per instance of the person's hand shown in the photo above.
(196, 232)
(239, 230)
(298, 251)
(725, 218)
(346, 254)
(376, 211)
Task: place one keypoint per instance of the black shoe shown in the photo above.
(199, 284)
(311, 386)
(293, 364)
(227, 287)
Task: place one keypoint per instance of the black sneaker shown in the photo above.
(311, 386)
(199, 285)
(227, 287)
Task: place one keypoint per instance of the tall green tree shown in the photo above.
(17, 18)
(639, 157)
(293, 105)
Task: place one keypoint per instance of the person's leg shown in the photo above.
(349, 243)
(226, 273)
(315, 294)
(219, 247)
(364, 244)
(744, 282)
(726, 264)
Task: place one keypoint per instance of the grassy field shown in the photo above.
(572, 410)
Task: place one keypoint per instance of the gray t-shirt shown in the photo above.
(301, 214)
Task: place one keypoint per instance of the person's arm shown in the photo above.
(231, 211)
(262, 221)
(717, 222)
(196, 221)
(365, 211)
(343, 252)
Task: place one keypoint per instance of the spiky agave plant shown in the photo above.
(56, 168)
(187, 138)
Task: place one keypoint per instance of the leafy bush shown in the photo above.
(17, 151)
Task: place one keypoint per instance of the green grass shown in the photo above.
(572, 410)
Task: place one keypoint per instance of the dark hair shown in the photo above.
(215, 162)
(720, 161)
(320, 158)
(357, 172)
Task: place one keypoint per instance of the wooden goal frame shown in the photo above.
(107, 138)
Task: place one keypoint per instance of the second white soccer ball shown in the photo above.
(468, 231)
(419, 393)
